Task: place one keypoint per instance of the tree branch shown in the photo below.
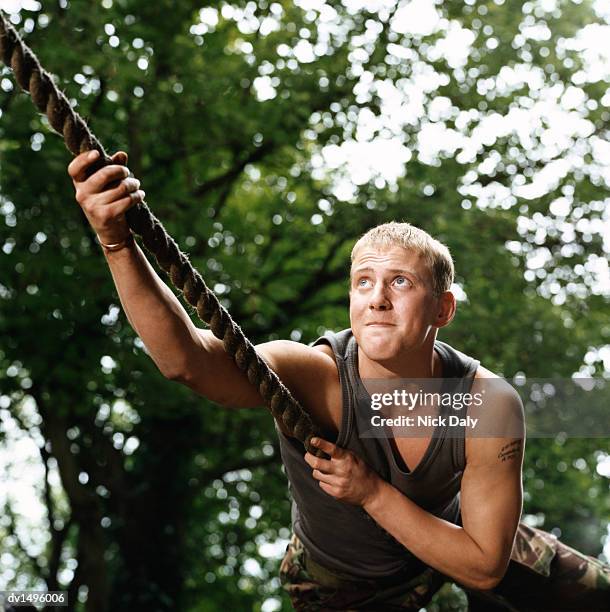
(318, 279)
(231, 175)
(85, 506)
(112, 474)
(58, 536)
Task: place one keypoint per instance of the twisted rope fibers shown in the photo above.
(49, 100)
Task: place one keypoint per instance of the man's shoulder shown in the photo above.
(499, 416)
(311, 375)
(495, 386)
(288, 356)
(483, 372)
(327, 350)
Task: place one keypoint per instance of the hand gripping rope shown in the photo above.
(78, 138)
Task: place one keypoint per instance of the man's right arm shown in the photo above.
(181, 351)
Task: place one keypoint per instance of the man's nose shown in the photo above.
(379, 299)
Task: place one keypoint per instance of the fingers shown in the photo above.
(116, 209)
(322, 465)
(120, 158)
(105, 195)
(329, 448)
(106, 185)
(325, 465)
(78, 166)
(108, 174)
(124, 188)
(330, 479)
(329, 489)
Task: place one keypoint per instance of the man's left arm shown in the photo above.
(477, 554)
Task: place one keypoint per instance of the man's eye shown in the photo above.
(402, 281)
(363, 282)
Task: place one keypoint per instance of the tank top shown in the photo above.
(343, 537)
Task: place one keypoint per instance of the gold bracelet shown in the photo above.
(117, 246)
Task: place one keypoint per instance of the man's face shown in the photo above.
(392, 303)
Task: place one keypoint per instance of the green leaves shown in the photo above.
(225, 112)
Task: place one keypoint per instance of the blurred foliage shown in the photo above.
(156, 499)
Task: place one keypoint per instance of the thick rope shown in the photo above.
(78, 138)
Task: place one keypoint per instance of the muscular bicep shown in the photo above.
(306, 371)
(491, 492)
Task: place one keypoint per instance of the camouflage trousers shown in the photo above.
(543, 574)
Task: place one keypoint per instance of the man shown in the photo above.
(384, 521)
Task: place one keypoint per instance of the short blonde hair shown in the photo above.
(407, 236)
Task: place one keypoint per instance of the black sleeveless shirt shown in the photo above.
(343, 537)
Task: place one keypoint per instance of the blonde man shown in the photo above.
(385, 520)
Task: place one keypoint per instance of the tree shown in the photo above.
(232, 116)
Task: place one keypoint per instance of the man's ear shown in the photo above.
(447, 305)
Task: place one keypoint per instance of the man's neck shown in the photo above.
(424, 363)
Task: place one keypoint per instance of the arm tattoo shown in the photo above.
(510, 451)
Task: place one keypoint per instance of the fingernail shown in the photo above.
(93, 154)
(314, 441)
(143, 193)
